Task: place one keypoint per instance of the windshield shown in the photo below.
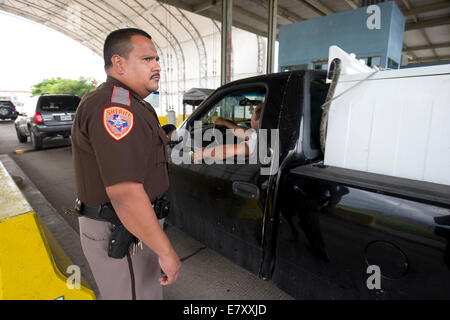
(235, 107)
(61, 103)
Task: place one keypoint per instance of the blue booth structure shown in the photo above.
(373, 33)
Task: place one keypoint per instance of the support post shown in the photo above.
(225, 58)
(271, 35)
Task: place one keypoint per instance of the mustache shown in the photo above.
(155, 75)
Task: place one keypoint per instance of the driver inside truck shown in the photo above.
(244, 149)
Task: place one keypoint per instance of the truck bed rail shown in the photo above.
(428, 192)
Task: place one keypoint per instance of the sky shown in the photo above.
(31, 52)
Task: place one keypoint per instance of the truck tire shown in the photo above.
(20, 137)
(36, 141)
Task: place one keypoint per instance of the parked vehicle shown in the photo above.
(7, 110)
(316, 230)
(53, 116)
(21, 126)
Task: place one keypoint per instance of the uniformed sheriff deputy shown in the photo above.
(120, 163)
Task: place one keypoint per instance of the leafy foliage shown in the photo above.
(59, 86)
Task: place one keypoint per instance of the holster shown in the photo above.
(162, 206)
(120, 238)
(119, 241)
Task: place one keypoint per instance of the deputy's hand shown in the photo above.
(170, 264)
(220, 121)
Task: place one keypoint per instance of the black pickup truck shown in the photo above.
(318, 232)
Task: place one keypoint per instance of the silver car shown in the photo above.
(53, 116)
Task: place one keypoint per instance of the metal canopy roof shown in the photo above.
(427, 36)
(186, 31)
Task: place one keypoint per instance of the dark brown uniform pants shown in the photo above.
(132, 277)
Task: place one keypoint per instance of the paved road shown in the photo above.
(204, 274)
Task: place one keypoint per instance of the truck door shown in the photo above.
(222, 205)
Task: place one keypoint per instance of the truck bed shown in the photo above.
(428, 192)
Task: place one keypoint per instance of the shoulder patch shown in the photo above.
(120, 95)
(118, 122)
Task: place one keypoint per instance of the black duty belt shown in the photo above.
(106, 212)
(120, 239)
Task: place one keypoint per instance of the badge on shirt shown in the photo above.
(118, 122)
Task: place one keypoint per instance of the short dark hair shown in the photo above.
(119, 42)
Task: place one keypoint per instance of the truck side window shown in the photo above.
(318, 93)
(236, 107)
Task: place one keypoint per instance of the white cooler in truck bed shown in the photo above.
(395, 123)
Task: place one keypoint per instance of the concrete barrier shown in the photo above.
(179, 119)
(162, 120)
(32, 263)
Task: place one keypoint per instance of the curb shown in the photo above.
(67, 237)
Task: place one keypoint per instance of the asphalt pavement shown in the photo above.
(49, 182)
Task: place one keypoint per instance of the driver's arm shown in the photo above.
(221, 152)
(237, 130)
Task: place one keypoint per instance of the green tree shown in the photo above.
(57, 86)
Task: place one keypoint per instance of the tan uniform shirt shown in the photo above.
(116, 137)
